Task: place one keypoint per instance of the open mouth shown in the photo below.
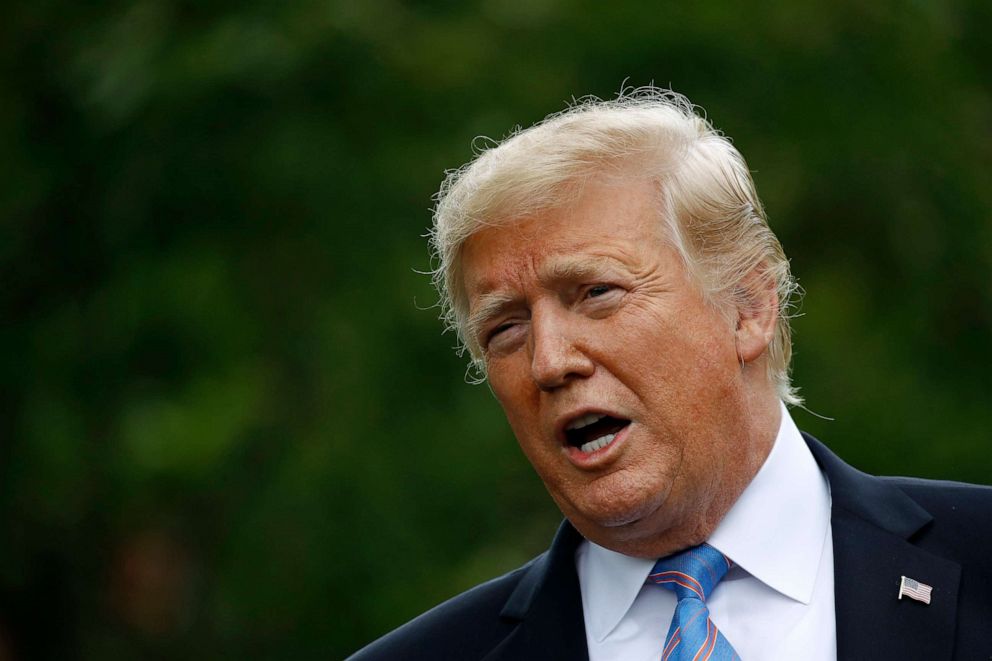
(593, 431)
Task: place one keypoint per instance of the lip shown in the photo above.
(567, 419)
(598, 458)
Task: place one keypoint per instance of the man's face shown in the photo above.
(622, 385)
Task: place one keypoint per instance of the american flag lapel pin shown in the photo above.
(914, 589)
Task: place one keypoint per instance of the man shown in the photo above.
(611, 273)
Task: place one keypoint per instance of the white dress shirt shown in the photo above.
(777, 602)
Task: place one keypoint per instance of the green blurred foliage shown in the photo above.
(230, 426)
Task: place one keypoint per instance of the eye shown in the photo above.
(499, 329)
(600, 299)
(598, 290)
(499, 334)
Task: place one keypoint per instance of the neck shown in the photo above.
(679, 530)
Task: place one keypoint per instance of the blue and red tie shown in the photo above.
(692, 575)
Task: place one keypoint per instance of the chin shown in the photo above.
(622, 511)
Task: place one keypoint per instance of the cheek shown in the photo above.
(683, 356)
(519, 399)
(509, 387)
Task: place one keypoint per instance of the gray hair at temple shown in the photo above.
(706, 201)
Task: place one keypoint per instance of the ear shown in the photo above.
(757, 313)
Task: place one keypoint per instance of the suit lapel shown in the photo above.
(872, 524)
(548, 606)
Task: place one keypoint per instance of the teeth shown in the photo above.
(598, 443)
(585, 421)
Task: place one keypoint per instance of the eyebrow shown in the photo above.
(576, 268)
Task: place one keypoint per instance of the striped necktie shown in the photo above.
(692, 575)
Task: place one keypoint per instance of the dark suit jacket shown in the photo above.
(939, 533)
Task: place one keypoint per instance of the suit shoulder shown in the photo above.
(466, 626)
(962, 516)
(945, 496)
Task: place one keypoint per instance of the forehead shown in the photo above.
(608, 223)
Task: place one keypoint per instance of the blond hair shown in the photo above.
(707, 201)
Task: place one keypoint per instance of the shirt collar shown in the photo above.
(788, 501)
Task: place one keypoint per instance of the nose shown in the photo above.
(555, 357)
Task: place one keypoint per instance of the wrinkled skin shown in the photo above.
(589, 309)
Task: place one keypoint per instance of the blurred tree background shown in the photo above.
(229, 424)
